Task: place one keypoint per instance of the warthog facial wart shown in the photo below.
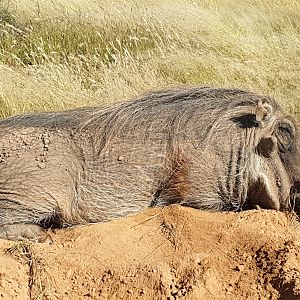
(207, 148)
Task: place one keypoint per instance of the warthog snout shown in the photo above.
(207, 148)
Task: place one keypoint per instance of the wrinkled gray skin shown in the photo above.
(218, 149)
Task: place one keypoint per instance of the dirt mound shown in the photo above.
(170, 253)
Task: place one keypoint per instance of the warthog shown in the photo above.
(207, 148)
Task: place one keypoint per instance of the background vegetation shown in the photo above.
(66, 53)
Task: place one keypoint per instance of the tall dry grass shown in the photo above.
(66, 53)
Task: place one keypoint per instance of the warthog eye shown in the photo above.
(285, 134)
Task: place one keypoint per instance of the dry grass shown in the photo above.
(23, 251)
(62, 53)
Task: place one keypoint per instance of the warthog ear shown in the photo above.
(263, 112)
(249, 116)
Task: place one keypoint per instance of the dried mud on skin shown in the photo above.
(170, 253)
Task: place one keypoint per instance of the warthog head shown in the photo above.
(274, 176)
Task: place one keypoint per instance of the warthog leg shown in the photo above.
(19, 232)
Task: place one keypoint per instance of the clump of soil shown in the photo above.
(169, 253)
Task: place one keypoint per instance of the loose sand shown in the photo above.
(170, 253)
